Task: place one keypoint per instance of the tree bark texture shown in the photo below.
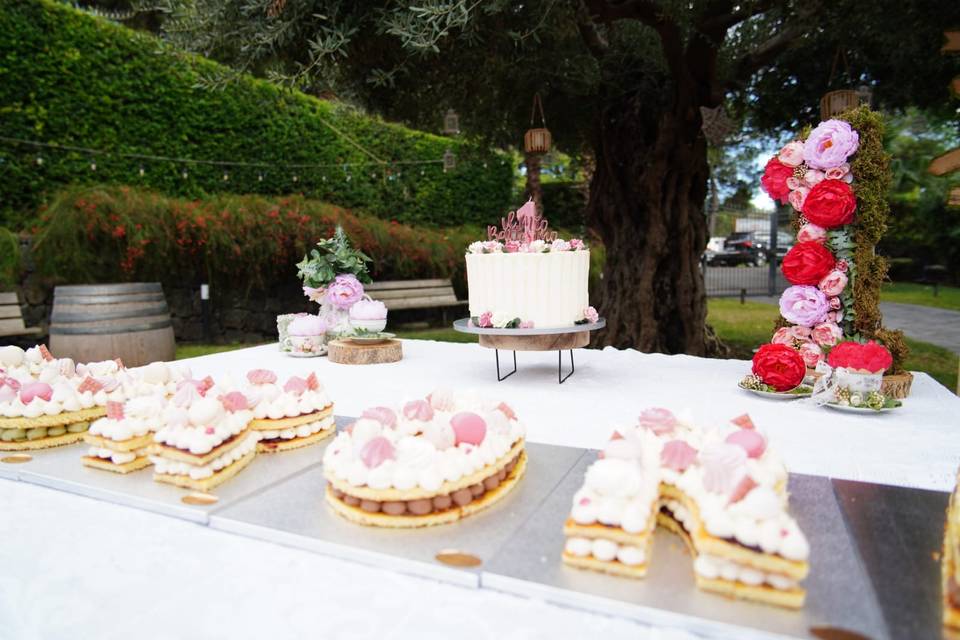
(646, 203)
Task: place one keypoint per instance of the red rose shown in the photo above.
(774, 180)
(807, 263)
(830, 204)
(872, 357)
(779, 366)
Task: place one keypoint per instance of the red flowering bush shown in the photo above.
(830, 204)
(774, 180)
(871, 356)
(779, 366)
(807, 263)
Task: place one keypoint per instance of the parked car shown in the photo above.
(750, 248)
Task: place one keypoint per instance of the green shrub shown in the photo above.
(9, 258)
(72, 79)
(111, 234)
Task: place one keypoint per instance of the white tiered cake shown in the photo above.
(524, 276)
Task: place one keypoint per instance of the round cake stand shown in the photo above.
(559, 338)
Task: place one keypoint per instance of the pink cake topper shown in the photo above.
(523, 225)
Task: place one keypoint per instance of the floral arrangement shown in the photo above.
(856, 376)
(329, 260)
(535, 246)
(832, 180)
(491, 320)
(776, 368)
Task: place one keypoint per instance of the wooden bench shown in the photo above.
(11, 317)
(415, 294)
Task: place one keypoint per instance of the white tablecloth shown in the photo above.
(71, 567)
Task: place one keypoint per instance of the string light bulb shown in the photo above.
(93, 166)
(184, 174)
(260, 177)
(226, 176)
(40, 161)
(141, 171)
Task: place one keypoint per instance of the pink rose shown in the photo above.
(811, 233)
(486, 320)
(492, 246)
(783, 335)
(812, 177)
(835, 303)
(797, 197)
(801, 333)
(830, 144)
(835, 316)
(344, 291)
(811, 354)
(576, 244)
(591, 315)
(837, 173)
(793, 183)
(511, 246)
(526, 324)
(848, 178)
(792, 154)
(314, 294)
(833, 283)
(826, 334)
(842, 266)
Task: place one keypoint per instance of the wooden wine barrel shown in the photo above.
(95, 322)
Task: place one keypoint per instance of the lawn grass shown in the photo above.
(742, 327)
(921, 294)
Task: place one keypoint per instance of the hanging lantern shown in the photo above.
(449, 160)
(451, 123)
(833, 103)
(537, 139)
(836, 102)
(716, 124)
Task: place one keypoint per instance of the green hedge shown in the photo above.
(115, 234)
(72, 79)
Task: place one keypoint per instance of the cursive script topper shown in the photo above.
(523, 225)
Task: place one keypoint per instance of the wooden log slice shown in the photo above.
(545, 342)
(347, 352)
(897, 386)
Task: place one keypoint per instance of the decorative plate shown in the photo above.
(846, 407)
(307, 354)
(802, 391)
(372, 338)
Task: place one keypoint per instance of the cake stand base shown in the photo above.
(559, 339)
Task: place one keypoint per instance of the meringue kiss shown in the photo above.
(468, 427)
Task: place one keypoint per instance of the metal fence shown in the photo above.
(744, 252)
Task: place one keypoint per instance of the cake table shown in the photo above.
(559, 338)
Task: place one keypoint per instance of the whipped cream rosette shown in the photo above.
(204, 437)
(288, 415)
(721, 489)
(950, 562)
(119, 441)
(430, 461)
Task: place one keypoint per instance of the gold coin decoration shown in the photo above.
(201, 499)
(455, 558)
(17, 458)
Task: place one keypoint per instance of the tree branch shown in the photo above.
(764, 54)
(596, 42)
(720, 21)
(650, 14)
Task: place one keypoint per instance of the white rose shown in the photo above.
(475, 247)
(501, 320)
(538, 246)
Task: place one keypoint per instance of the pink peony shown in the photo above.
(830, 144)
(812, 177)
(811, 354)
(826, 334)
(485, 321)
(576, 244)
(804, 305)
(797, 197)
(811, 233)
(344, 291)
(591, 315)
(792, 154)
(511, 246)
(833, 283)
